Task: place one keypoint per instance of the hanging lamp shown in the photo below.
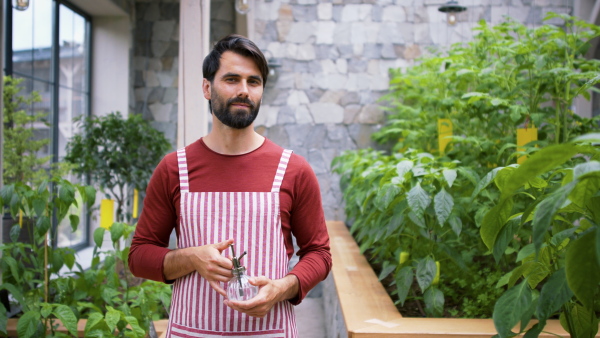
(452, 8)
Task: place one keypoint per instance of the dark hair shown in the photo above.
(239, 45)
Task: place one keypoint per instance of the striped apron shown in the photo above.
(253, 220)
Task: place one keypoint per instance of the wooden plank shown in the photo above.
(368, 310)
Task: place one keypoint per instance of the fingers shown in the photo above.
(223, 245)
(259, 281)
(217, 287)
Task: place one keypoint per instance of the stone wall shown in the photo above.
(155, 63)
(335, 58)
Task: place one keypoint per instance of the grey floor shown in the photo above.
(310, 318)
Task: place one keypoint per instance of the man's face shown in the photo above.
(236, 91)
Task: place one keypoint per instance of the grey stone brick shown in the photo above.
(304, 13)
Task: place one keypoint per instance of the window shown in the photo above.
(48, 46)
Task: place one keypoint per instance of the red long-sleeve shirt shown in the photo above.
(300, 204)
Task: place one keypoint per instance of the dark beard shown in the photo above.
(237, 119)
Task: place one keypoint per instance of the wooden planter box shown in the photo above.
(368, 311)
(159, 325)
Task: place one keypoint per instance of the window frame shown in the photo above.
(55, 84)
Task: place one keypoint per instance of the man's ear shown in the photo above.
(206, 88)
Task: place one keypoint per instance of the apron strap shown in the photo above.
(184, 183)
(283, 162)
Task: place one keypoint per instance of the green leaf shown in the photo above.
(386, 195)
(418, 199)
(443, 203)
(67, 317)
(133, 322)
(99, 236)
(525, 252)
(426, 270)
(455, 224)
(487, 179)
(14, 268)
(69, 260)
(14, 291)
(116, 231)
(494, 220)
(39, 206)
(582, 268)
(539, 163)
(93, 320)
(587, 186)
(510, 308)
(449, 176)
(404, 167)
(74, 220)
(537, 272)
(585, 322)
(592, 137)
(387, 269)
(46, 310)
(434, 302)
(554, 294)
(112, 317)
(29, 324)
(542, 218)
(404, 280)
(504, 238)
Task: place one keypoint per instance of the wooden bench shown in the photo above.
(368, 310)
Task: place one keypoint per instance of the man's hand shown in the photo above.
(270, 292)
(206, 260)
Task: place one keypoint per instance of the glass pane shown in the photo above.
(42, 38)
(73, 49)
(32, 39)
(72, 104)
(22, 39)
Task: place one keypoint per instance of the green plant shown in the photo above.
(410, 202)
(20, 154)
(559, 270)
(508, 77)
(29, 267)
(117, 153)
(50, 286)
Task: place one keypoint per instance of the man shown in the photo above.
(232, 186)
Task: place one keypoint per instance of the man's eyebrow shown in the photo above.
(254, 77)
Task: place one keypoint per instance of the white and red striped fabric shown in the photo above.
(252, 219)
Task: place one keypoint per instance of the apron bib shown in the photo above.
(253, 220)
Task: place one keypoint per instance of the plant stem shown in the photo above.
(46, 269)
(418, 303)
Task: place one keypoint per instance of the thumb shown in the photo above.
(223, 245)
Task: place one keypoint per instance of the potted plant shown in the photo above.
(117, 153)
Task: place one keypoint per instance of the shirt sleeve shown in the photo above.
(307, 222)
(158, 219)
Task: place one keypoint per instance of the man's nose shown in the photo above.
(243, 89)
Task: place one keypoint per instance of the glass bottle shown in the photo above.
(239, 288)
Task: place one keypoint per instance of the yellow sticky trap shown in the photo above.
(444, 130)
(134, 213)
(524, 136)
(21, 218)
(107, 213)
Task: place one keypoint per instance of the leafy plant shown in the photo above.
(117, 153)
(50, 286)
(20, 153)
(402, 205)
(28, 267)
(559, 270)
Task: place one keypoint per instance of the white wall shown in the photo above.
(111, 43)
